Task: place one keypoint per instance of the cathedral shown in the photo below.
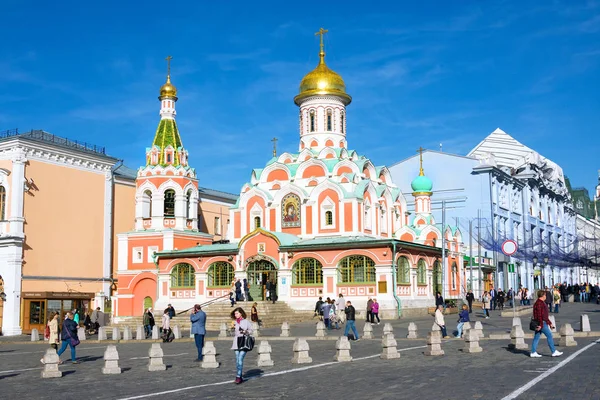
(320, 221)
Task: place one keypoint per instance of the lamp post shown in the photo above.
(535, 277)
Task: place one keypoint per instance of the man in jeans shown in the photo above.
(198, 319)
(350, 320)
(540, 315)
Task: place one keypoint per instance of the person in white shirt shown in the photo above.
(340, 305)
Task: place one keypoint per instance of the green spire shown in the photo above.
(167, 134)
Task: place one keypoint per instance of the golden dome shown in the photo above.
(322, 81)
(168, 89)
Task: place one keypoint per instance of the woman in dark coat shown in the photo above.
(69, 337)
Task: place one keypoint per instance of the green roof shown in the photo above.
(167, 134)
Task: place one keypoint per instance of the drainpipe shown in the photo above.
(394, 273)
(155, 261)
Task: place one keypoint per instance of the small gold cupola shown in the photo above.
(322, 80)
(168, 90)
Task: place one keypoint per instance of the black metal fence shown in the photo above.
(40, 135)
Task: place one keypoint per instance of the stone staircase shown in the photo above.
(270, 314)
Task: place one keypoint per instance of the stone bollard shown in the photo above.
(566, 336)
(584, 323)
(320, 329)
(111, 361)
(35, 336)
(435, 327)
(116, 334)
(301, 351)
(102, 333)
(223, 331)
(434, 344)
(255, 329)
(209, 355)
(51, 361)
(479, 329)
(81, 334)
(517, 338)
(342, 345)
(285, 330)
(177, 332)
(466, 327)
(472, 342)
(517, 321)
(155, 335)
(388, 343)
(264, 354)
(139, 333)
(156, 358)
(368, 331)
(127, 335)
(412, 331)
(553, 320)
(387, 329)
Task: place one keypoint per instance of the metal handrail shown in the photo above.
(205, 303)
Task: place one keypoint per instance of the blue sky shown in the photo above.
(420, 73)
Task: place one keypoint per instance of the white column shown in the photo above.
(158, 211)
(10, 269)
(107, 237)
(180, 206)
(17, 193)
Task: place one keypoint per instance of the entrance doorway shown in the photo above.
(259, 273)
(35, 314)
(147, 303)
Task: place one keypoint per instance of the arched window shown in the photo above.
(421, 272)
(329, 218)
(2, 203)
(220, 274)
(356, 269)
(307, 271)
(403, 273)
(367, 215)
(147, 204)
(256, 222)
(454, 274)
(329, 121)
(169, 203)
(183, 276)
(342, 122)
(312, 120)
(188, 205)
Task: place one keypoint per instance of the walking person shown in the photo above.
(350, 320)
(375, 312)
(241, 327)
(439, 300)
(486, 299)
(238, 290)
(439, 320)
(254, 314)
(76, 316)
(340, 305)
(470, 299)
(549, 298)
(172, 312)
(463, 317)
(69, 338)
(198, 319)
(493, 298)
(148, 322)
(273, 291)
(318, 309)
(540, 315)
(556, 298)
(246, 290)
(166, 325)
(326, 309)
(370, 310)
(53, 339)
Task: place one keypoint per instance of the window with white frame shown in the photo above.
(328, 214)
(151, 251)
(383, 219)
(367, 215)
(256, 216)
(217, 225)
(137, 255)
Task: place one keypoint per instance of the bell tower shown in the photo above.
(167, 187)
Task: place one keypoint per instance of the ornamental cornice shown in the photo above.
(22, 152)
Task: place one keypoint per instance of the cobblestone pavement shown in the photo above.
(492, 374)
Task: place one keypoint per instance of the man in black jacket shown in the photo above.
(318, 310)
(350, 320)
(470, 299)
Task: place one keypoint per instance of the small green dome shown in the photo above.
(421, 184)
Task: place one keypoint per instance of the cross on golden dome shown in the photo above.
(322, 52)
(168, 89)
(420, 150)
